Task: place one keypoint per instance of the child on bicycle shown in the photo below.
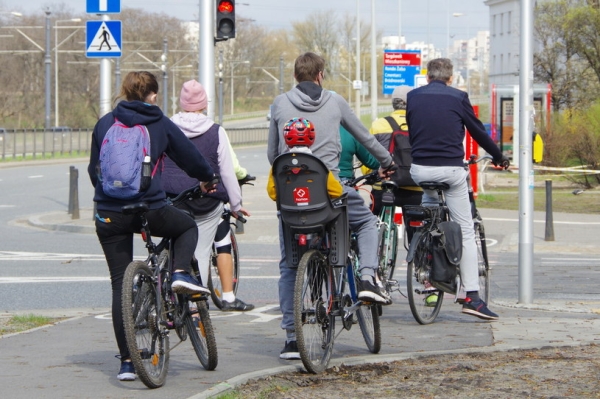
(299, 134)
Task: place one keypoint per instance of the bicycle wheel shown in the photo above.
(147, 337)
(424, 305)
(214, 279)
(482, 260)
(313, 321)
(202, 336)
(368, 317)
(388, 252)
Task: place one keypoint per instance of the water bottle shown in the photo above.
(146, 174)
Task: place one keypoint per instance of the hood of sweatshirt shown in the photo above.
(192, 124)
(133, 113)
(308, 96)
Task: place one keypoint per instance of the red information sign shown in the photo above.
(402, 58)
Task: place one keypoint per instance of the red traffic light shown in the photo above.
(225, 7)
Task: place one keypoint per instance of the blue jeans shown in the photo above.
(363, 223)
(457, 199)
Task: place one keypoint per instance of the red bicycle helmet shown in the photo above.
(299, 132)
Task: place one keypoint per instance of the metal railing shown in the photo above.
(21, 144)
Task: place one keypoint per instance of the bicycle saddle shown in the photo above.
(433, 185)
(135, 208)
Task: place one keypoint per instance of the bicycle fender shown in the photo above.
(412, 247)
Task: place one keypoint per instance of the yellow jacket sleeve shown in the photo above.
(271, 186)
(334, 187)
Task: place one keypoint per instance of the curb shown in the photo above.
(233, 383)
(72, 226)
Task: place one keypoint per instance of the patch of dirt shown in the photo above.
(561, 372)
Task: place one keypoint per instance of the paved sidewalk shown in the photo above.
(73, 359)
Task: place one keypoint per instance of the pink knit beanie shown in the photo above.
(193, 97)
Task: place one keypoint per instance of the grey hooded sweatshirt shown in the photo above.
(327, 111)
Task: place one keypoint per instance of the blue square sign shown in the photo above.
(103, 6)
(103, 39)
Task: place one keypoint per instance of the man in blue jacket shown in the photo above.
(437, 115)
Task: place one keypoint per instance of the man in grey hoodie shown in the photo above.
(327, 111)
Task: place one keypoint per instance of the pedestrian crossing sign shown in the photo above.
(103, 39)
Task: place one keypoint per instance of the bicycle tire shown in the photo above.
(367, 313)
(313, 322)
(147, 338)
(202, 336)
(214, 279)
(389, 249)
(482, 260)
(419, 288)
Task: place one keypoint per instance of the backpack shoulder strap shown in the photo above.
(392, 121)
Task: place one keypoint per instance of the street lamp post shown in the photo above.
(48, 64)
(233, 64)
(56, 45)
(163, 67)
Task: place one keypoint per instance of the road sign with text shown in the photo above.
(400, 68)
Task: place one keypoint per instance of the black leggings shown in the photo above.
(115, 232)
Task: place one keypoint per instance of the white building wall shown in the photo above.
(504, 41)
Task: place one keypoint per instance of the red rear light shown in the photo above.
(416, 223)
(143, 235)
(302, 239)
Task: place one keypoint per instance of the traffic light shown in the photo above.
(225, 23)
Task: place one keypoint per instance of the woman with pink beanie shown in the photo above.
(212, 142)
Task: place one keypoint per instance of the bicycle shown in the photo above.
(318, 241)
(151, 310)
(387, 228)
(425, 296)
(214, 277)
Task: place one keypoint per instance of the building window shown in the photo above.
(509, 17)
(494, 25)
(501, 24)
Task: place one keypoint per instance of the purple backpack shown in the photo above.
(122, 154)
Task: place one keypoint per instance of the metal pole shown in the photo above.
(165, 77)
(56, 73)
(221, 87)
(48, 64)
(206, 57)
(281, 74)
(374, 91)
(357, 92)
(118, 75)
(549, 234)
(525, 159)
(231, 95)
(105, 81)
(399, 24)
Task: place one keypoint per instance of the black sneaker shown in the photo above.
(370, 292)
(236, 306)
(127, 372)
(290, 351)
(478, 308)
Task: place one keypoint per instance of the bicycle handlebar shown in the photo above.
(369, 178)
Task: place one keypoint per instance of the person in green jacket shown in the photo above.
(350, 148)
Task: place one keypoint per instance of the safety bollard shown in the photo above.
(73, 207)
(549, 236)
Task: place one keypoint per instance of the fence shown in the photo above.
(22, 144)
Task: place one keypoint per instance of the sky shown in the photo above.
(430, 21)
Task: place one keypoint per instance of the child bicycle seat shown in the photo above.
(305, 207)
